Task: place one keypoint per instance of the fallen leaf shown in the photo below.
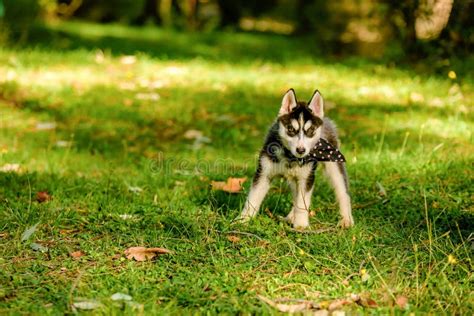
(363, 300)
(10, 167)
(198, 137)
(193, 134)
(128, 216)
(401, 301)
(63, 144)
(4, 235)
(143, 253)
(86, 304)
(233, 239)
(382, 191)
(67, 231)
(45, 126)
(233, 185)
(367, 301)
(77, 254)
(28, 232)
(43, 196)
(38, 247)
(288, 308)
(121, 297)
(339, 303)
(136, 190)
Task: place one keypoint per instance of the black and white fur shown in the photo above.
(296, 131)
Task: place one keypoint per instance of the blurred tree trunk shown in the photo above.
(303, 22)
(193, 6)
(151, 11)
(166, 12)
(459, 32)
(230, 12)
(408, 10)
(405, 32)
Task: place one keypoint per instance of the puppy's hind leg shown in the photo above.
(336, 172)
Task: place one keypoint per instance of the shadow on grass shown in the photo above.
(114, 128)
(169, 44)
(232, 47)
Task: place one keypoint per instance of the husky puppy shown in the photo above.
(299, 139)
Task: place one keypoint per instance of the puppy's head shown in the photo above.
(299, 123)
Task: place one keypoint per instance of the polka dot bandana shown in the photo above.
(324, 151)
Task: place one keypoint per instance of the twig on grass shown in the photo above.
(239, 233)
(73, 287)
(317, 231)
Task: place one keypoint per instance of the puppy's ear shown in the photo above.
(288, 103)
(316, 104)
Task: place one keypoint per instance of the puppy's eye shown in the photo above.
(310, 131)
(291, 131)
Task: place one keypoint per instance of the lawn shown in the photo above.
(110, 137)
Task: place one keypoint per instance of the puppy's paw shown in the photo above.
(347, 222)
(241, 219)
(300, 223)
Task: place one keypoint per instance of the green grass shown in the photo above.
(408, 130)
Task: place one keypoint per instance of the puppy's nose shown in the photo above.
(300, 150)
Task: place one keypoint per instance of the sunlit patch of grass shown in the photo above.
(89, 121)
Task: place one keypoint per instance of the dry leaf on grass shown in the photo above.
(28, 232)
(193, 134)
(67, 231)
(121, 297)
(338, 304)
(288, 308)
(45, 126)
(334, 307)
(364, 300)
(77, 254)
(232, 185)
(233, 239)
(43, 196)
(38, 247)
(85, 304)
(402, 301)
(143, 253)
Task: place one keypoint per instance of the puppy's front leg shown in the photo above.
(301, 208)
(302, 190)
(260, 187)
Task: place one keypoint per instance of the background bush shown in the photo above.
(18, 16)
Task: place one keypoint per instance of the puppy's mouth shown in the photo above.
(300, 155)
